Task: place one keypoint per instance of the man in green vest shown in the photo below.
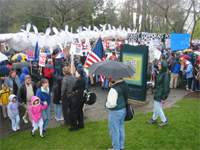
(116, 103)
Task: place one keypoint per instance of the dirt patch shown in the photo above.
(193, 95)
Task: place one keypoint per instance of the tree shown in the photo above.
(196, 32)
(144, 15)
(126, 14)
(196, 17)
(74, 13)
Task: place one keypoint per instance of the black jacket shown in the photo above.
(79, 88)
(57, 90)
(22, 92)
(68, 83)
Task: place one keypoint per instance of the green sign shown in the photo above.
(138, 57)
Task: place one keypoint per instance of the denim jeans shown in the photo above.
(106, 84)
(46, 117)
(116, 128)
(58, 111)
(195, 85)
(39, 124)
(15, 122)
(158, 111)
(189, 83)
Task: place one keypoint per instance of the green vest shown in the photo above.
(120, 88)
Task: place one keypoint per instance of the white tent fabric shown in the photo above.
(3, 57)
(5, 37)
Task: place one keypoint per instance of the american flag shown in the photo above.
(96, 55)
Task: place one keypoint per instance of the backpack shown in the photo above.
(89, 97)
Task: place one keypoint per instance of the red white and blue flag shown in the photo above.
(96, 55)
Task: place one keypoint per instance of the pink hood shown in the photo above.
(35, 111)
(34, 98)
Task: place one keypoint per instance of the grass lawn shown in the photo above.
(182, 133)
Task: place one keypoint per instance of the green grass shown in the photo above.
(182, 133)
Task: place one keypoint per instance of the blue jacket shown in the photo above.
(43, 96)
(189, 71)
(4, 71)
(25, 71)
(176, 68)
(9, 82)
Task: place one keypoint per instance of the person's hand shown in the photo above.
(45, 103)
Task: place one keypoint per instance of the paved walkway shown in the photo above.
(98, 110)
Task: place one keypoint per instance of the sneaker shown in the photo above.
(18, 128)
(25, 120)
(73, 129)
(162, 124)
(151, 121)
(14, 129)
(32, 134)
(56, 119)
(41, 135)
(59, 119)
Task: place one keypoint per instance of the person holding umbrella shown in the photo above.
(117, 97)
(116, 103)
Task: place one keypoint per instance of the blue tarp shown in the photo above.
(179, 41)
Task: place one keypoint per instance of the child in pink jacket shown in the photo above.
(35, 112)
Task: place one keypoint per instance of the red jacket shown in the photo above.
(48, 72)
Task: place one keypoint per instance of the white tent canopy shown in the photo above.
(3, 57)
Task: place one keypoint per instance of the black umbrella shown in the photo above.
(112, 69)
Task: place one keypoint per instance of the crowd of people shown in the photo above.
(63, 82)
(34, 89)
(184, 70)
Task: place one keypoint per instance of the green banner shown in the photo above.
(138, 57)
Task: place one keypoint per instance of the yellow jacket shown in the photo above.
(4, 94)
